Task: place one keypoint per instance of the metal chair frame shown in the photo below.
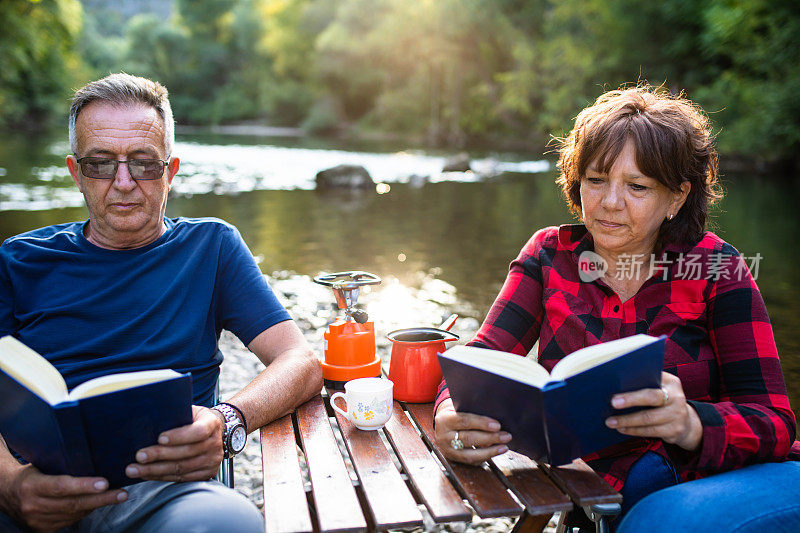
(225, 474)
(600, 514)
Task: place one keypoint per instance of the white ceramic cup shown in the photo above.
(368, 402)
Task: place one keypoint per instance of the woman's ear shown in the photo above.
(679, 197)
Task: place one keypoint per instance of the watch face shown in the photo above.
(238, 439)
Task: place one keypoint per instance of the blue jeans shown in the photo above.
(157, 506)
(758, 498)
(649, 474)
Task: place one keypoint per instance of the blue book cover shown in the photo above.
(95, 435)
(560, 416)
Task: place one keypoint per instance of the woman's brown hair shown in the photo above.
(673, 144)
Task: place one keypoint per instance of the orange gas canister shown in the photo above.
(414, 368)
(350, 351)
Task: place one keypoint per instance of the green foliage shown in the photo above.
(756, 96)
(452, 71)
(426, 67)
(324, 117)
(38, 63)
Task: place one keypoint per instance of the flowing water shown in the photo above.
(461, 229)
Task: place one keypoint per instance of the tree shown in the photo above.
(420, 67)
(451, 71)
(755, 97)
(38, 63)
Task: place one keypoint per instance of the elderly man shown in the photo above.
(130, 289)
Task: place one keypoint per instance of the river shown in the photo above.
(461, 229)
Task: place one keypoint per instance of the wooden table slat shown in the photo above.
(424, 472)
(531, 485)
(582, 484)
(382, 498)
(285, 505)
(335, 497)
(482, 488)
(389, 499)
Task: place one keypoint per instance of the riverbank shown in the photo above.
(729, 163)
(357, 136)
(258, 130)
(430, 301)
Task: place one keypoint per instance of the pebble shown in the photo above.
(427, 302)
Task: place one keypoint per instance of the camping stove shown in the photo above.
(349, 351)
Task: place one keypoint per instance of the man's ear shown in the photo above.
(172, 169)
(72, 165)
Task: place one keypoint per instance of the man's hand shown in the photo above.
(480, 435)
(188, 453)
(49, 503)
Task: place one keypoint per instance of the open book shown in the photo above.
(94, 430)
(558, 416)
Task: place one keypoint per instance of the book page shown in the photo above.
(595, 355)
(114, 382)
(32, 370)
(504, 364)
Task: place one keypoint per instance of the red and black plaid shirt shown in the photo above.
(720, 342)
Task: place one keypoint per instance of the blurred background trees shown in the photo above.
(38, 59)
(443, 72)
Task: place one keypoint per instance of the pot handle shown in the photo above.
(447, 324)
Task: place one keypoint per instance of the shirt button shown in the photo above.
(616, 309)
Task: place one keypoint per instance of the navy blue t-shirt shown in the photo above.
(92, 311)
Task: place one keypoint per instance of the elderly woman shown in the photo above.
(640, 170)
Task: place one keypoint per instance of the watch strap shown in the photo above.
(242, 419)
(230, 414)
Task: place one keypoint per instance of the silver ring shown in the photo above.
(456, 443)
(666, 396)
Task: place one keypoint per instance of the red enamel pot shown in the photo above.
(414, 368)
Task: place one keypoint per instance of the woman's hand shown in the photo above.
(670, 418)
(480, 435)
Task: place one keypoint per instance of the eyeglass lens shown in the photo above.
(139, 169)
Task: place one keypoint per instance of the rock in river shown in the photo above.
(457, 163)
(344, 177)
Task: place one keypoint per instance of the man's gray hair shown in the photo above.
(122, 90)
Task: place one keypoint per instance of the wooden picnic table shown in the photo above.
(386, 479)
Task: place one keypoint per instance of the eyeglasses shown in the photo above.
(102, 168)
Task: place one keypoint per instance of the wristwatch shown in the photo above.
(234, 435)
